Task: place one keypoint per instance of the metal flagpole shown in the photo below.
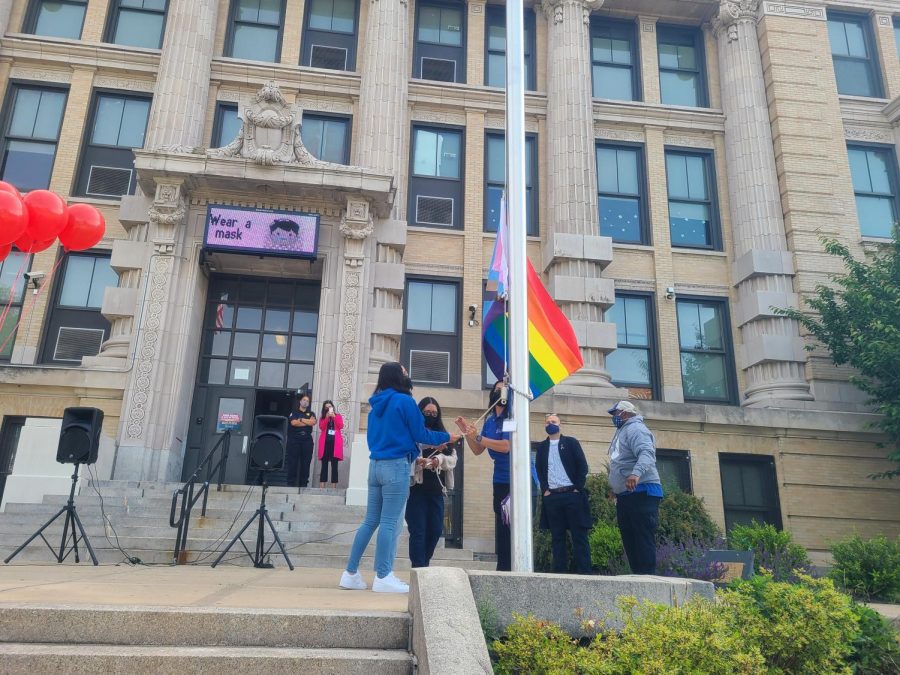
(520, 501)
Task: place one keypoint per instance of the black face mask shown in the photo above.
(431, 422)
(495, 398)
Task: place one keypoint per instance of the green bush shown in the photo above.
(598, 489)
(876, 649)
(683, 518)
(533, 646)
(607, 552)
(868, 569)
(774, 550)
(806, 627)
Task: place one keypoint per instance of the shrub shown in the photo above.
(607, 552)
(683, 518)
(774, 550)
(533, 646)
(868, 569)
(876, 648)
(686, 560)
(598, 489)
(799, 628)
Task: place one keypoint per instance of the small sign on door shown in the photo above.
(228, 422)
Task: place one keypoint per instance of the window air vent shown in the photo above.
(429, 367)
(442, 70)
(434, 211)
(72, 344)
(108, 181)
(332, 58)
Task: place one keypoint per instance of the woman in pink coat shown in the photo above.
(331, 443)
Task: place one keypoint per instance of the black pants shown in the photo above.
(425, 520)
(565, 512)
(298, 459)
(638, 515)
(328, 459)
(502, 540)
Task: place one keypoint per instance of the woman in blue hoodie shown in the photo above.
(395, 427)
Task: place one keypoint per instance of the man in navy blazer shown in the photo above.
(562, 470)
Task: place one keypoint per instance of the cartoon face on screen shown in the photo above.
(284, 234)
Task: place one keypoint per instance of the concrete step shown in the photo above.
(168, 487)
(203, 627)
(27, 659)
(118, 495)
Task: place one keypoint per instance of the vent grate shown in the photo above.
(73, 344)
(442, 70)
(434, 210)
(429, 367)
(108, 181)
(332, 58)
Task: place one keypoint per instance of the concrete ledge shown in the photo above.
(568, 599)
(446, 631)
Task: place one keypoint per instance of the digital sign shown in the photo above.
(235, 229)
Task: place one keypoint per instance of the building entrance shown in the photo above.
(258, 350)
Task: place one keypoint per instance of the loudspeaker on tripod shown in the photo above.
(268, 446)
(79, 436)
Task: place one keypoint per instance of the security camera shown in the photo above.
(34, 277)
(670, 293)
(473, 308)
(472, 320)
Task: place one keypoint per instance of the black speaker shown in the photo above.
(79, 436)
(269, 438)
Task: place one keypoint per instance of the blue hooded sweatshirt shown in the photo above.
(396, 425)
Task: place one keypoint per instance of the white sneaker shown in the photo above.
(389, 584)
(352, 582)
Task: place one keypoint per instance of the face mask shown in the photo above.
(494, 398)
(618, 421)
(552, 429)
(304, 405)
(431, 422)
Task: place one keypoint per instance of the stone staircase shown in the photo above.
(107, 639)
(316, 526)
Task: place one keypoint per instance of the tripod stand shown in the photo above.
(260, 553)
(72, 521)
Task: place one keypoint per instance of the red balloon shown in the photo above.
(47, 214)
(8, 187)
(28, 245)
(4, 251)
(85, 228)
(13, 217)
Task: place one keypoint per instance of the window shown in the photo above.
(495, 181)
(11, 270)
(614, 60)
(897, 35)
(75, 327)
(704, 336)
(117, 125)
(874, 172)
(436, 177)
(674, 468)
(853, 54)
(329, 36)
(56, 18)
(255, 30)
(749, 490)
(430, 344)
(10, 433)
(621, 187)
(693, 212)
(226, 124)
(327, 137)
(633, 364)
(30, 132)
(137, 23)
(440, 50)
(495, 48)
(682, 78)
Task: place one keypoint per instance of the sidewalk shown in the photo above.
(189, 586)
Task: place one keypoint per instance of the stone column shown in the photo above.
(383, 136)
(574, 254)
(773, 358)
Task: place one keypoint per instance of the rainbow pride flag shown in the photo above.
(552, 346)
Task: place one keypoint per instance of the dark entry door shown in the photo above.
(229, 408)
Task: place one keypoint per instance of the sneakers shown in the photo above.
(352, 582)
(389, 584)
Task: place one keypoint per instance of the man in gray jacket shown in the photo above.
(635, 482)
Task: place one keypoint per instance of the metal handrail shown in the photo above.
(189, 497)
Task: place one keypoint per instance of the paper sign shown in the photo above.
(242, 373)
(509, 426)
(228, 422)
(233, 229)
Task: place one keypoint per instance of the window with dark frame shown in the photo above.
(116, 126)
(32, 119)
(876, 187)
(10, 433)
(431, 335)
(707, 358)
(621, 186)
(226, 125)
(440, 49)
(11, 271)
(614, 60)
(56, 18)
(897, 34)
(674, 467)
(75, 328)
(749, 490)
(137, 23)
(693, 208)
(682, 67)
(255, 30)
(633, 364)
(495, 181)
(330, 34)
(495, 48)
(436, 177)
(327, 137)
(854, 55)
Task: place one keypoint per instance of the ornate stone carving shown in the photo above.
(732, 12)
(869, 134)
(356, 222)
(619, 134)
(689, 141)
(21, 73)
(166, 213)
(349, 353)
(443, 117)
(555, 9)
(884, 20)
(795, 10)
(127, 83)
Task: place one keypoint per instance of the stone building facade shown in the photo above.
(685, 157)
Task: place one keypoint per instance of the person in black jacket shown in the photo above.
(562, 470)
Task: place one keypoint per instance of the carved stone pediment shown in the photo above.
(270, 133)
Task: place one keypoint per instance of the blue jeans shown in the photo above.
(388, 492)
(425, 519)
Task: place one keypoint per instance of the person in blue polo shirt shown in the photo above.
(635, 481)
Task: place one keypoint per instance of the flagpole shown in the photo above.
(520, 447)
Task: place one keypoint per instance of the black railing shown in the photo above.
(190, 494)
